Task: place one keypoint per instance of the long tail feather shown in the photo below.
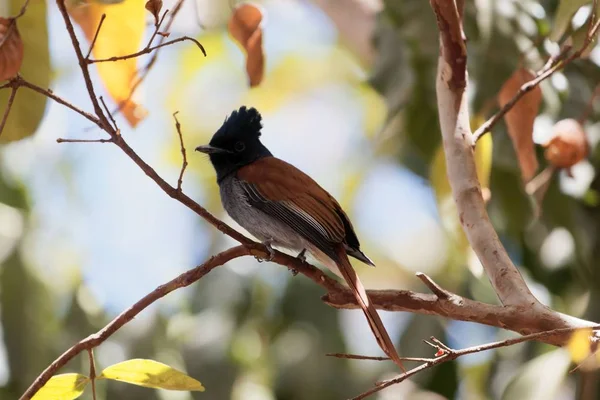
(383, 339)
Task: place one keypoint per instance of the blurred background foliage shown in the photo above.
(348, 96)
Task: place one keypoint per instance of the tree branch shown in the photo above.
(92, 341)
(449, 354)
(521, 311)
(554, 64)
(462, 174)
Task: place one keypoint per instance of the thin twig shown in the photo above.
(92, 341)
(18, 81)
(451, 354)
(148, 50)
(61, 140)
(23, 9)
(184, 162)
(11, 99)
(114, 123)
(547, 71)
(157, 28)
(143, 72)
(373, 358)
(104, 123)
(102, 18)
(434, 287)
(92, 376)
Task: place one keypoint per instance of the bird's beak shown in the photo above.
(208, 149)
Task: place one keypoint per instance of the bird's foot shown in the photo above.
(302, 256)
(267, 244)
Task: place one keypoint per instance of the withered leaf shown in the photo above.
(245, 26)
(154, 6)
(11, 49)
(520, 119)
(568, 144)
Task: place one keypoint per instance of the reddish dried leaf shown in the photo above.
(519, 120)
(154, 6)
(11, 49)
(245, 26)
(568, 145)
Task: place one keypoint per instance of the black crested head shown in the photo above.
(236, 143)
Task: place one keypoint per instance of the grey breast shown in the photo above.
(255, 221)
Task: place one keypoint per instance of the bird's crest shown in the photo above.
(245, 121)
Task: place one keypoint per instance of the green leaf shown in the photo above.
(28, 108)
(150, 373)
(63, 387)
(562, 19)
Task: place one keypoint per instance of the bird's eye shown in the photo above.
(239, 146)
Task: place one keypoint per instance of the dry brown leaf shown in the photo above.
(121, 34)
(519, 120)
(154, 6)
(568, 145)
(245, 26)
(11, 49)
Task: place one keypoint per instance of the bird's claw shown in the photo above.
(267, 244)
(301, 256)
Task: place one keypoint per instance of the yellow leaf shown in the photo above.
(150, 373)
(579, 345)
(28, 108)
(63, 387)
(121, 34)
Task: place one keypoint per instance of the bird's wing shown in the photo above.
(289, 195)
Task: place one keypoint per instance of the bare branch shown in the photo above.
(92, 341)
(11, 99)
(553, 65)
(451, 354)
(61, 140)
(143, 72)
(114, 123)
(148, 50)
(184, 162)
(18, 81)
(92, 371)
(462, 174)
(103, 121)
(434, 287)
(102, 18)
(372, 358)
(23, 9)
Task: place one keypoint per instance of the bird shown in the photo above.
(283, 207)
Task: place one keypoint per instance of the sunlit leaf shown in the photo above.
(562, 19)
(63, 387)
(520, 119)
(11, 49)
(150, 373)
(245, 26)
(579, 345)
(28, 107)
(121, 34)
